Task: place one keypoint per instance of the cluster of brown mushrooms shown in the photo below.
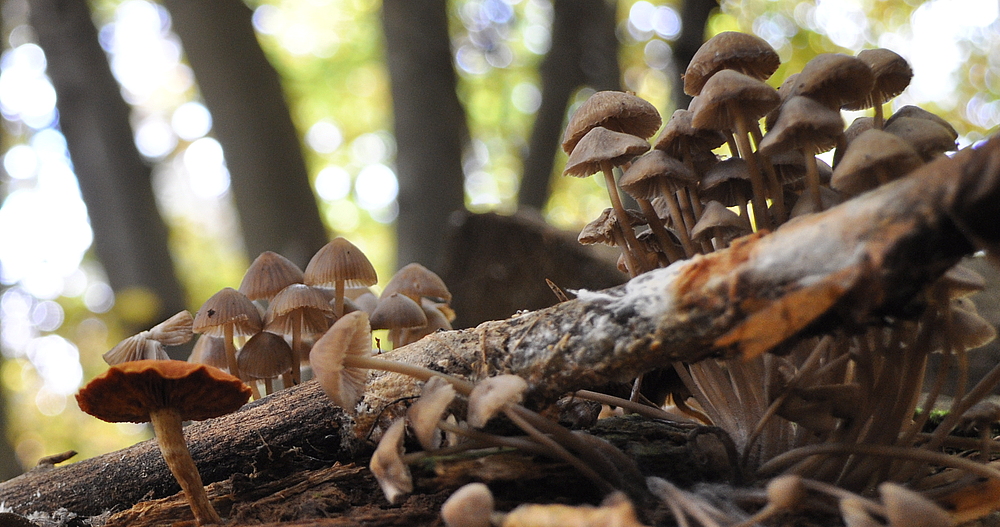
(278, 313)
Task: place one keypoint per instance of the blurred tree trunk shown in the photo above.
(9, 467)
(270, 185)
(130, 237)
(694, 18)
(429, 125)
(584, 52)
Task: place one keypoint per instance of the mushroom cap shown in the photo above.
(927, 137)
(387, 463)
(729, 94)
(228, 306)
(730, 50)
(268, 274)
(600, 230)
(835, 80)
(644, 176)
(614, 110)
(679, 136)
(961, 281)
(416, 281)
(600, 146)
(470, 506)
(298, 299)
(726, 182)
(136, 347)
(397, 311)
(265, 356)
(891, 74)
(873, 150)
(803, 124)
(828, 197)
(492, 394)
(173, 331)
(717, 216)
(349, 335)
(908, 507)
(340, 260)
(425, 413)
(211, 351)
(919, 113)
(128, 391)
(790, 167)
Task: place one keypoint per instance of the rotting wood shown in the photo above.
(862, 261)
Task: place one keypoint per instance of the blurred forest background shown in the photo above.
(151, 151)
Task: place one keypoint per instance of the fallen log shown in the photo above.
(857, 264)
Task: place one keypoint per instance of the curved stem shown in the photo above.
(170, 437)
(759, 200)
(616, 203)
(662, 236)
(632, 406)
(462, 386)
(675, 214)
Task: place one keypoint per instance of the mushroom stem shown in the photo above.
(268, 386)
(170, 437)
(662, 236)
(777, 196)
(297, 339)
(675, 214)
(812, 179)
(759, 200)
(878, 120)
(338, 299)
(227, 341)
(462, 386)
(616, 203)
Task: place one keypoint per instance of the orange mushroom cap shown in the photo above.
(128, 391)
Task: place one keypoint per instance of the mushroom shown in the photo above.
(905, 507)
(337, 265)
(733, 101)
(720, 223)
(150, 344)
(728, 182)
(387, 463)
(424, 414)
(210, 351)
(600, 151)
(809, 127)
(657, 174)
(891, 74)
(228, 314)
(874, 158)
(395, 312)
(166, 393)
(607, 230)
(265, 356)
(268, 274)
(730, 50)
(614, 110)
(298, 310)
(469, 506)
(416, 282)
(927, 137)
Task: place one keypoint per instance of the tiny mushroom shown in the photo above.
(470, 506)
(387, 463)
(730, 50)
(150, 344)
(340, 264)
(614, 110)
(265, 356)
(298, 310)
(424, 414)
(166, 393)
(416, 282)
(228, 314)
(892, 75)
(395, 312)
(268, 274)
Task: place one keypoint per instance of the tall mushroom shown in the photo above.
(891, 74)
(267, 275)
(228, 314)
(600, 151)
(337, 265)
(298, 310)
(167, 393)
(733, 101)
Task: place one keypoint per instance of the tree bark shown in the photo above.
(270, 185)
(857, 263)
(584, 51)
(130, 237)
(429, 124)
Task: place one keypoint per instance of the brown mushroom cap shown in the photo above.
(730, 50)
(919, 113)
(835, 80)
(728, 94)
(717, 216)
(642, 179)
(269, 273)
(726, 181)
(803, 124)
(614, 110)
(128, 391)
(927, 137)
(873, 150)
(265, 356)
(340, 260)
(679, 136)
(349, 335)
(397, 311)
(891, 74)
(228, 306)
(416, 281)
(602, 145)
(600, 230)
(298, 304)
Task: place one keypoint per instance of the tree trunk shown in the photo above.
(130, 237)
(584, 51)
(694, 18)
(270, 185)
(429, 125)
